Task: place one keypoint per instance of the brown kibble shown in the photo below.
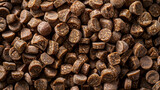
(4, 12)
(11, 18)
(15, 27)
(3, 73)
(58, 38)
(148, 43)
(34, 4)
(105, 35)
(9, 66)
(146, 62)
(66, 69)
(121, 47)
(110, 47)
(101, 55)
(75, 36)
(35, 68)
(85, 15)
(39, 41)
(16, 10)
(95, 4)
(125, 14)
(98, 45)
(84, 49)
(3, 24)
(44, 28)
(94, 80)
(139, 50)
(5, 54)
(21, 85)
(152, 76)
(119, 24)
(27, 58)
(134, 75)
(56, 64)
(117, 3)
(115, 37)
(74, 23)
(26, 34)
(100, 65)
(37, 13)
(34, 22)
(14, 54)
(40, 84)
(106, 23)
(136, 8)
(49, 72)
(156, 86)
(47, 6)
(85, 41)
(107, 10)
(108, 75)
(20, 45)
(58, 3)
(85, 68)
(8, 35)
(28, 79)
(51, 16)
(62, 29)
(136, 30)
(94, 25)
(94, 37)
(6, 4)
(25, 16)
(58, 84)
(154, 10)
(114, 58)
(77, 8)
(111, 85)
(95, 13)
(62, 51)
(53, 48)
(147, 3)
(128, 39)
(125, 56)
(153, 52)
(77, 66)
(128, 84)
(70, 58)
(79, 79)
(134, 62)
(46, 59)
(63, 15)
(17, 75)
(31, 49)
(145, 19)
(153, 29)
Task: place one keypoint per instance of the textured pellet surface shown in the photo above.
(79, 44)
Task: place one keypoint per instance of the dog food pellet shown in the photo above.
(79, 79)
(136, 8)
(31, 49)
(108, 75)
(107, 10)
(152, 76)
(53, 47)
(25, 16)
(101, 55)
(85, 68)
(3, 24)
(20, 45)
(94, 25)
(128, 84)
(134, 75)
(146, 62)
(26, 34)
(145, 19)
(154, 28)
(66, 69)
(9, 66)
(105, 23)
(62, 29)
(17, 75)
(100, 65)
(46, 59)
(27, 58)
(47, 6)
(98, 45)
(3, 73)
(119, 24)
(77, 8)
(110, 86)
(134, 62)
(27, 77)
(95, 4)
(21, 85)
(139, 50)
(5, 54)
(62, 51)
(49, 72)
(8, 35)
(51, 16)
(44, 28)
(94, 80)
(75, 36)
(77, 66)
(34, 4)
(121, 47)
(14, 54)
(117, 3)
(40, 84)
(74, 23)
(125, 14)
(105, 34)
(154, 9)
(114, 58)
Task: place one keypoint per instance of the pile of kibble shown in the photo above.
(79, 44)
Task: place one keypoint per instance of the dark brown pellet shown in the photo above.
(14, 54)
(20, 45)
(95, 14)
(6, 4)
(128, 84)
(107, 10)
(31, 49)
(74, 88)
(58, 3)
(25, 16)
(152, 76)
(40, 84)
(77, 8)
(4, 12)
(101, 55)
(58, 84)
(53, 48)
(39, 41)
(27, 58)
(9, 87)
(74, 23)
(8, 35)
(85, 15)
(70, 58)
(44, 28)
(15, 27)
(47, 6)
(110, 85)
(146, 62)
(115, 37)
(85, 68)
(136, 30)
(79, 79)
(125, 14)
(46, 59)
(27, 77)
(121, 47)
(21, 85)
(106, 23)
(136, 8)
(95, 4)
(139, 50)
(66, 69)
(94, 37)
(98, 45)
(9, 66)
(75, 36)
(119, 24)
(134, 62)
(34, 4)
(156, 86)
(16, 10)
(51, 16)
(94, 25)
(26, 34)
(100, 65)
(77, 66)
(114, 58)
(17, 75)
(84, 48)
(110, 47)
(117, 3)
(108, 75)
(62, 51)
(145, 19)
(3, 73)
(153, 52)
(134, 75)
(5, 54)
(62, 29)
(63, 15)
(37, 13)
(3, 24)
(154, 10)
(35, 68)
(104, 35)
(153, 29)
(34, 22)
(49, 72)
(94, 80)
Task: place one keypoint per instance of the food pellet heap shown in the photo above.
(79, 44)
